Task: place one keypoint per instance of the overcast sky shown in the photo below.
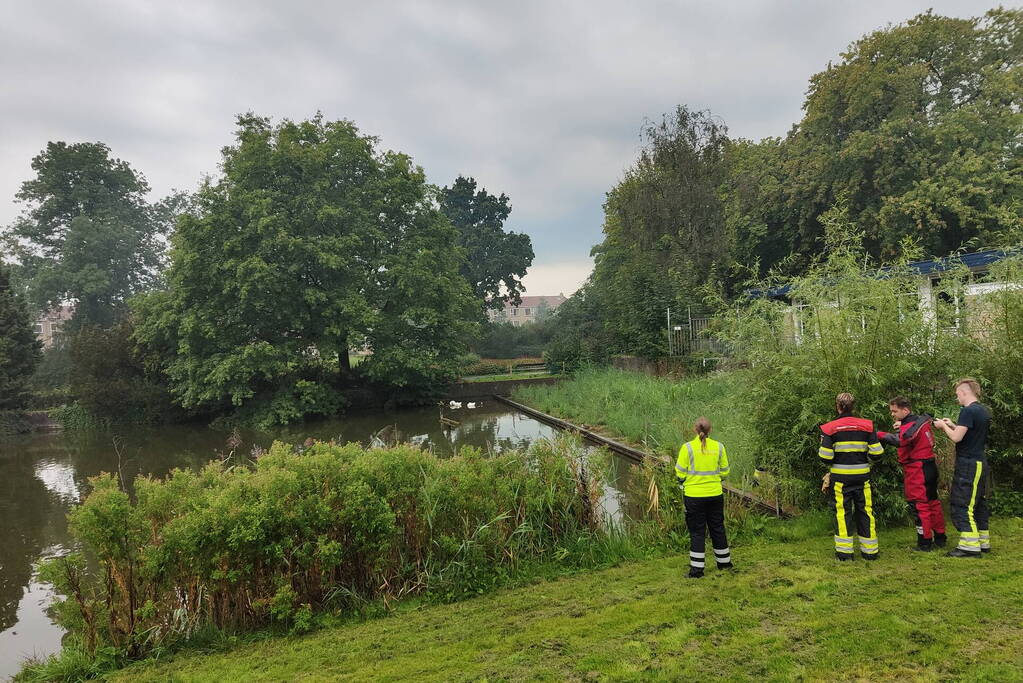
(542, 100)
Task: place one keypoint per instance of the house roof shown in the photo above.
(978, 260)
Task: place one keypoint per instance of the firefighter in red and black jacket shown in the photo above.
(849, 446)
(915, 442)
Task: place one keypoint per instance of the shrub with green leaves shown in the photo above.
(850, 325)
(327, 529)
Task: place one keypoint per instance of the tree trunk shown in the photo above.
(344, 361)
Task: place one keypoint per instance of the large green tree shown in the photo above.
(88, 233)
(918, 132)
(915, 133)
(20, 350)
(496, 259)
(664, 232)
(309, 244)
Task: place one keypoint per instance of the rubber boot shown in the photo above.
(695, 573)
(940, 540)
(924, 545)
(725, 565)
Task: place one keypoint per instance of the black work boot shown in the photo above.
(924, 545)
(695, 573)
(725, 565)
(959, 552)
(870, 557)
(940, 540)
(844, 557)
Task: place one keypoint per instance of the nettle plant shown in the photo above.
(846, 324)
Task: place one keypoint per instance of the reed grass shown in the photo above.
(654, 413)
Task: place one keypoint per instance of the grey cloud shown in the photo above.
(541, 100)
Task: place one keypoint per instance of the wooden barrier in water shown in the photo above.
(636, 454)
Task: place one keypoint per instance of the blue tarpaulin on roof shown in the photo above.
(976, 261)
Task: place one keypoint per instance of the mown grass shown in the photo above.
(655, 413)
(789, 612)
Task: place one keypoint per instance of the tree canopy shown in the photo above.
(88, 232)
(915, 133)
(496, 260)
(310, 244)
(20, 350)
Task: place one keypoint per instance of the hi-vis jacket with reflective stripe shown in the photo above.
(700, 467)
(849, 445)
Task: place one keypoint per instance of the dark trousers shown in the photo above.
(854, 514)
(968, 500)
(703, 514)
(920, 481)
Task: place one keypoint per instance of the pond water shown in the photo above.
(43, 475)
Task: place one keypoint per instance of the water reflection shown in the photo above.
(42, 475)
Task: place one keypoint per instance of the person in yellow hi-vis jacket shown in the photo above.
(700, 467)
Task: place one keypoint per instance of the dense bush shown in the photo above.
(111, 381)
(504, 340)
(327, 529)
(485, 367)
(849, 326)
(991, 351)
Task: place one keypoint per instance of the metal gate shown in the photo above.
(688, 334)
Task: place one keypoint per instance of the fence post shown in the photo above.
(692, 336)
(671, 344)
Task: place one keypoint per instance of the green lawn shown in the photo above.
(789, 612)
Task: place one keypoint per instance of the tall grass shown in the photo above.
(656, 413)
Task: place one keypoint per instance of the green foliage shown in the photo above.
(294, 535)
(89, 233)
(845, 326)
(311, 243)
(54, 370)
(655, 412)
(505, 340)
(484, 368)
(989, 349)
(915, 130)
(20, 351)
(74, 416)
(664, 235)
(580, 339)
(495, 260)
(917, 126)
(110, 380)
(1006, 503)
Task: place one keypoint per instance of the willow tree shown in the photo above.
(311, 243)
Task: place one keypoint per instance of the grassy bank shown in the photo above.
(299, 538)
(788, 612)
(653, 412)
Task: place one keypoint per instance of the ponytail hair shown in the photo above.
(702, 428)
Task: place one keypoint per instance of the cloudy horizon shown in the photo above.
(541, 101)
